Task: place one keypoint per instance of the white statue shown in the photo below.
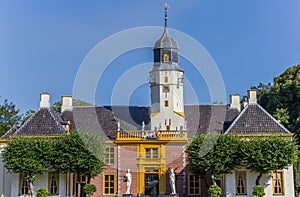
(128, 181)
(172, 181)
(143, 126)
(118, 123)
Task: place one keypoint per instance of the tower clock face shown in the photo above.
(166, 88)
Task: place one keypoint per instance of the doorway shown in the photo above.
(151, 184)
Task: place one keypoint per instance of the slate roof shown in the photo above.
(203, 118)
(166, 41)
(103, 119)
(255, 120)
(166, 66)
(95, 119)
(43, 122)
(10, 132)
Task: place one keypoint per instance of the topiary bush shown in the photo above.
(258, 191)
(89, 189)
(214, 191)
(42, 192)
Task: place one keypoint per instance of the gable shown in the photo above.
(256, 120)
(43, 122)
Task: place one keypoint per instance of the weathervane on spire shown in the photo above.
(166, 13)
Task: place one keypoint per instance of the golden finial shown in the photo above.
(166, 13)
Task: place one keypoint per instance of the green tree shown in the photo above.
(9, 116)
(26, 116)
(297, 175)
(282, 115)
(30, 156)
(89, 189)
(42, 192)
(79, 152)
(282, 99)
(265, 154)
(214, 191)
(76, 102)
(258, 191)
(57, 106)
(223, 156)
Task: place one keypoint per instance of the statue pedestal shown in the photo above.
(127, 195)
(174, 195)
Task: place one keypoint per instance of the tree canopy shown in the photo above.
(79, 152)
(264, 154)
(9, 116)
(282, 99)
(30, 156)
(223, 157)
(76, 102)
(259, 154)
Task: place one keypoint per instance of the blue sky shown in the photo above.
(43, 43)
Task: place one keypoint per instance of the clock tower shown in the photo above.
(166, 83)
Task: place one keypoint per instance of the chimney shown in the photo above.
(66, 103)
(252, 97)
(235, 102)
(44, 100)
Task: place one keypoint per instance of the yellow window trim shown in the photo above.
(49, 183)
(143, 156)
(108, 155)
(20, 184)
(275, 178)
(103, 184)
(194, 180)
(83, 178)
(152, 155)
(238, 179)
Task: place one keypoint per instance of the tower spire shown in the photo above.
(166, 13)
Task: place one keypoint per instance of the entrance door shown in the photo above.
(151, 184)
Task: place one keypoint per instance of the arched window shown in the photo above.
(166, 57)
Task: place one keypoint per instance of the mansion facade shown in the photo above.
(150, 141)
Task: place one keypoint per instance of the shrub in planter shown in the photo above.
(258, 191)
(214, 191)
(89, 189)
(42, 192)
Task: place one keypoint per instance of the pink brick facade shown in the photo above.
(127, 156)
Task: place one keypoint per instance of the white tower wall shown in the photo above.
(166, 82)
(167, 100)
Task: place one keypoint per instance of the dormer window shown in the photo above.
(166, 57)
